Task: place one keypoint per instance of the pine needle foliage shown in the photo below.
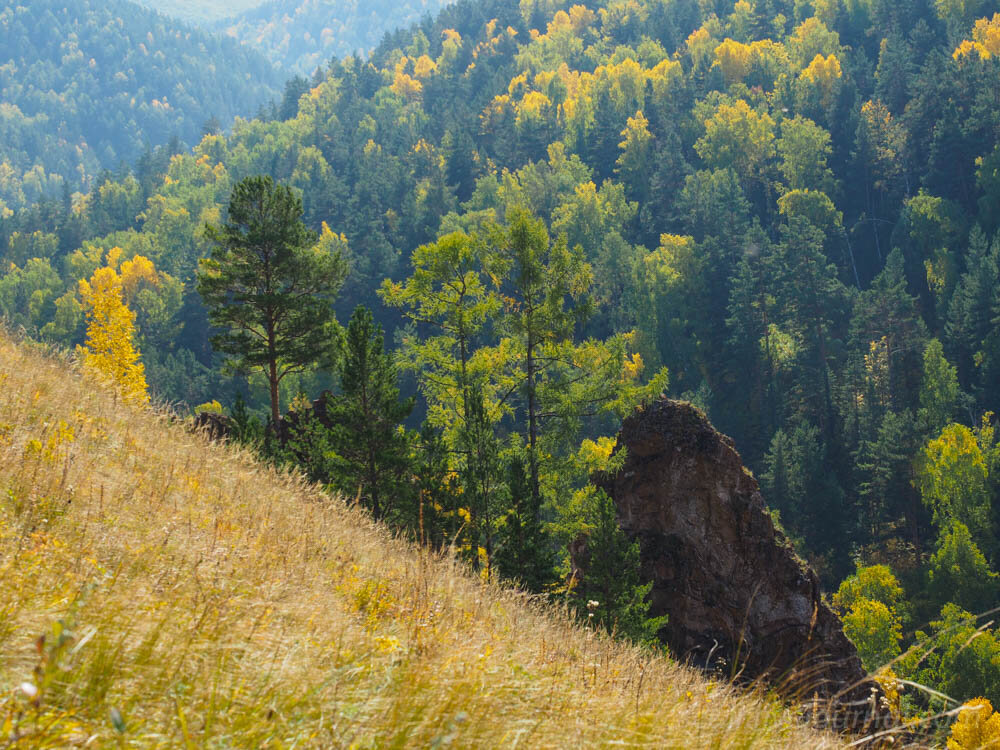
(269, 284)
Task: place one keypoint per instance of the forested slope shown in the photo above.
(158, 591)
(302, 35)
(792, 205)
(89, 85)
(200, 11)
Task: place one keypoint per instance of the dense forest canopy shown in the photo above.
(792, 206)
(200, 11)
(302, 35)
(88, 85)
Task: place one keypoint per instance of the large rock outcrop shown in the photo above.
(738, 598)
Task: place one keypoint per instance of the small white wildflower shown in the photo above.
(29, 689)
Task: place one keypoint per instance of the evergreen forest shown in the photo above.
(93, 85)
(200, 11)
(512, 223)
(300, 36)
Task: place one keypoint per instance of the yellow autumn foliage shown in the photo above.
(700, 46)
(424, 66)
(637, 145)
(985, 40)
(823, 73)
(110, 350)
(977, 727)
(734, 59)
(532, 107)
(406, 86)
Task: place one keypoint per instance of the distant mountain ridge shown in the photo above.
(87, 85)
(301, 35)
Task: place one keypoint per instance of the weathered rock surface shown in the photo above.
(737, 597)
(213, 426)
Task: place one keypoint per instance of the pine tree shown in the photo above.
(372, 449)
(610, 592)
(268, 285)
(813, 304)
(525, 550)
(481, 472)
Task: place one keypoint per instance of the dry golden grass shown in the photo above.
(207, 601)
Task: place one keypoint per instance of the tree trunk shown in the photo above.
(272, 380)
(536, 493)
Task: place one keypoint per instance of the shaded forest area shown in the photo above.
(790, 206)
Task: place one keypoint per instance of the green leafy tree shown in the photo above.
(537, 276)
(956, 658)
(804, 148)
(372, 449)
(449, 301)
(952, 475)
(876, 632)
(551, 384)
(448, 298)
(268, 285)
(959, 573)
(738, 138)
(29, 295)
(939, 392)
(873, 582)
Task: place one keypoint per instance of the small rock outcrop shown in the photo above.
(738, 598)
(213, 425)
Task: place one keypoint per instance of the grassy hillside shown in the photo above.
(190, 597)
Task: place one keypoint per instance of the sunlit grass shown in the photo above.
(190, 597)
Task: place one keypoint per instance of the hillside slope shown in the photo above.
(301, 35)
(88, 85)
(190, 596)
(200, 11)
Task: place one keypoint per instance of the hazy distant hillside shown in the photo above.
(200, 11)
(301, 35)
(86, 85)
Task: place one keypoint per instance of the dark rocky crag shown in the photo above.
(738, 598)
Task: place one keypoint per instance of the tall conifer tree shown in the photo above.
(268, 285)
